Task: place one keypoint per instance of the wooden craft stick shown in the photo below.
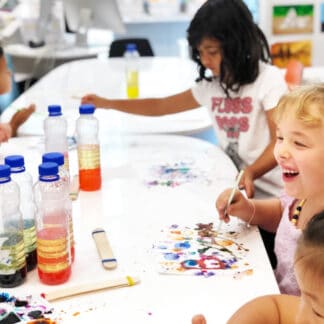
(74, 188)
(89, 287)
(104, 249)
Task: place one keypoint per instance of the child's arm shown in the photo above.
(267, 310)
(264, 163)
(19, 118)
(266, 213)
(149, 107)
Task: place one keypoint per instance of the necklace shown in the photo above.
(295, 216)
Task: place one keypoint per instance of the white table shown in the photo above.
(159, 76)
(133, 215)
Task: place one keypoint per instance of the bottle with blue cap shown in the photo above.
(58, 158)
(52, 227)
(87, 128)
(27, 207)
(55, 130)
(131, 58)
(13, 267)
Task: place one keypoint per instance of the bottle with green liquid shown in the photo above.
(13, 267)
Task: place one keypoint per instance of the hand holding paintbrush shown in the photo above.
(231, 196)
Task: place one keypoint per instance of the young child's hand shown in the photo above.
(198, 319)
(247, 183)
(92, 99)
(239, 207)
(5, 132)
(20, 117)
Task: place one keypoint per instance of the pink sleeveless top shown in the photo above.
(285, 245)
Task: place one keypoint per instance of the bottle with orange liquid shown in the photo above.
(52, 226)
(87, 127)
(58, 158)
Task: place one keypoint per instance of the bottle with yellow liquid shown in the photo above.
(132, 85)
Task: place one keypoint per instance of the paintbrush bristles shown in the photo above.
(231, 196)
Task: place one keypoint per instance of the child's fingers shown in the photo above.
(198, 319)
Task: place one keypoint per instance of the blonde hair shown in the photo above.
(305, 102)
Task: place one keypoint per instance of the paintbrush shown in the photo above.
(89, 287)
(231, 196)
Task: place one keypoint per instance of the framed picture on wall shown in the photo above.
(282, 52)
(292, 19)
(322, 16)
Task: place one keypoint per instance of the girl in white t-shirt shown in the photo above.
(237, 84)
(299, 151)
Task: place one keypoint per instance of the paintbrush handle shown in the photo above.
(89, 287)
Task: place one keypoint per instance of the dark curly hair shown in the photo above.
(243, 44)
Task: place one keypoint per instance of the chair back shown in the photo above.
(118, 47)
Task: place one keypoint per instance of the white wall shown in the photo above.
(317, 37)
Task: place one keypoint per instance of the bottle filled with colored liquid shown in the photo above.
(55, 130)
(87, 127)
(27, 206)
(13, 267)
(58, 158)
(52, 227)
(131, 59)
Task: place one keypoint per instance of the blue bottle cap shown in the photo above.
(131, 47)
(15, 161)
(48, 169)
(4, 171)
(86, 109)
(54, 110)
(56, 157)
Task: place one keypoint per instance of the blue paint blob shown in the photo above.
(183, 245)
(171, 256)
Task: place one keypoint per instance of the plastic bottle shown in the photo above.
(58, 158)
(27, 206)
(88, 149)
(13, 268)
(52, 225)
(55, 130)
(132, 85)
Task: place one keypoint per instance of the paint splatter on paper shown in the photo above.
(175, 174)
(201, 251)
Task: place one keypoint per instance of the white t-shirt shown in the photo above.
(240, 121)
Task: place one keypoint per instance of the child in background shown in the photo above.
(309, 270)
(299, 151)
(236, 83)
(8, 130)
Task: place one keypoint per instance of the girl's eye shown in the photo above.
(279, 138)
(300, 144)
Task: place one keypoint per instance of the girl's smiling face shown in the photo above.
(299, 151)
(210, 54)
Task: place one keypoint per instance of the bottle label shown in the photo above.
(89, 156)
(12, 253)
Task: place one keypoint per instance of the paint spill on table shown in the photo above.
(175, 174)
(201, 251)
